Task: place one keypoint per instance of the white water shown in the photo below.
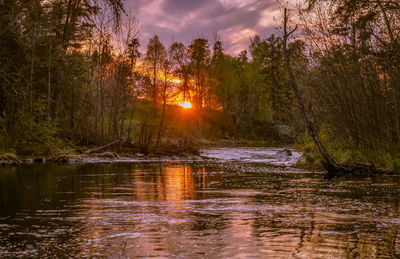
(275, 156)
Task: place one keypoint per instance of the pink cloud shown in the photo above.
(183, 20)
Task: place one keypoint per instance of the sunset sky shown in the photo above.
(235, 21)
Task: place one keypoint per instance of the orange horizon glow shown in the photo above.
(186, 105)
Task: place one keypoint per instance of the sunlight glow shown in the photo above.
(186, 105)
(175, 80)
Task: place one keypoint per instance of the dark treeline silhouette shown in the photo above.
(72, 74)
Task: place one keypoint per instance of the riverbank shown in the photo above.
(277, 156)
(366, 160)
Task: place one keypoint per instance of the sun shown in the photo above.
(176, 80)
(186, 105)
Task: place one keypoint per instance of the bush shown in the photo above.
(35, 137)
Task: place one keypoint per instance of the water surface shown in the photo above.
(275, 156)
(194, 210)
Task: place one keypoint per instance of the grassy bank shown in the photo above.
(382, 160)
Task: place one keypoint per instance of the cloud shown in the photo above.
(235, 21)
(238, 38)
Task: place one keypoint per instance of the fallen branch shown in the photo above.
(90, 151)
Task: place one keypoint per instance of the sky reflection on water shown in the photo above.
(196, 211)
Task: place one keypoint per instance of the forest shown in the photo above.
(74, 75)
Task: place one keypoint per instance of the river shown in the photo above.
(225, 207)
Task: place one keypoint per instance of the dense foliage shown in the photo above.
(72, 73)
(353, 83)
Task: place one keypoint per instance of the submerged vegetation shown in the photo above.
(74, 75)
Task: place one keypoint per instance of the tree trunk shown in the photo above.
(31, 72)
(130, 123)
(331, 165)
(49, 86)
(72, 105)
(161, 125)
(102, 105)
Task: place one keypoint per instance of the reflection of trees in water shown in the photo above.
(162, 209)
(137, 209)
(33, 199)
(312, 235)
(345, 225)
(176, 188)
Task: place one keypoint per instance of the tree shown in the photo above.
(199, 53)
(180, 57)
(331, 164)
(155, 55)
(134, 55)
(164, 91)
